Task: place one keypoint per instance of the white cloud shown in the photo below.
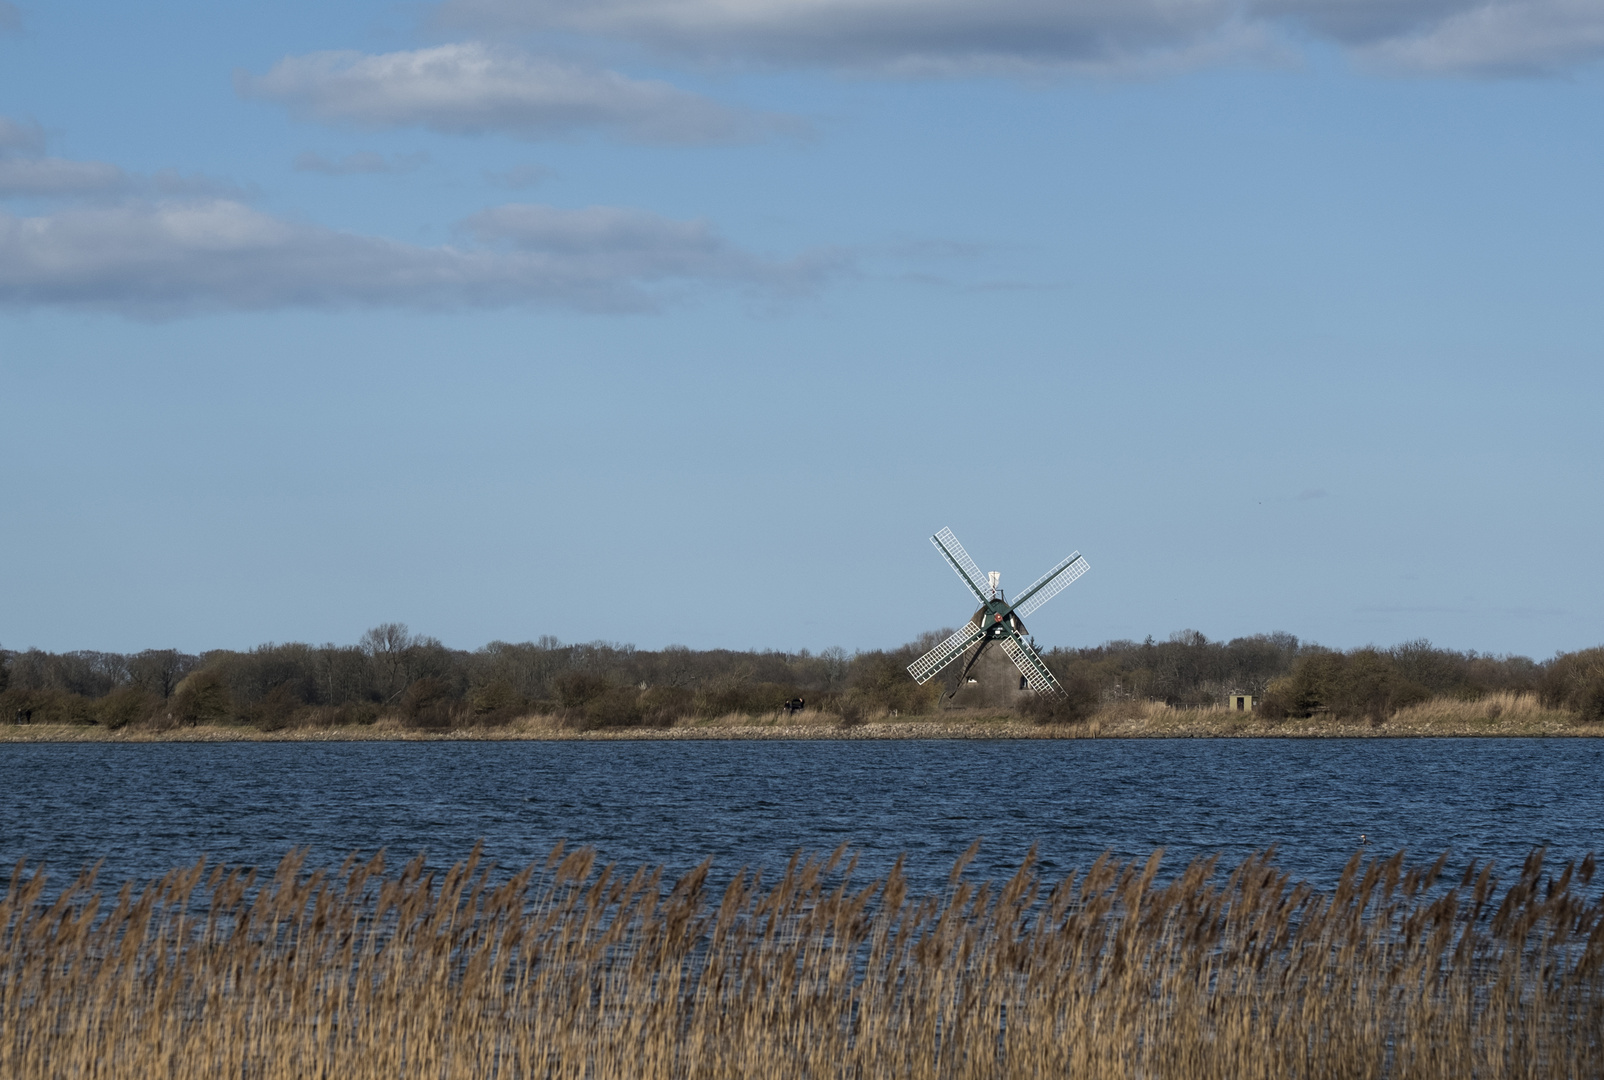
(161, 259)
(471, 88)
(363, 161)
(1095, 36)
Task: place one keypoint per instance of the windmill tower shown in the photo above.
(998, 621)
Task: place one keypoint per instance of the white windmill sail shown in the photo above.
(1030, 665)
(1051, 584)
(961, 563)
(945, 653)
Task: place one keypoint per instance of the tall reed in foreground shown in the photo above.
(570, 970)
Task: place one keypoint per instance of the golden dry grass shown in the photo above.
(1497, 708)
(1496, 714)
(570, 971)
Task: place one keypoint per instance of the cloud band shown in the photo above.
(978, 36)
(470, 88)
(161, 259)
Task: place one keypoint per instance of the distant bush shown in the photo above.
(880, 683)
(46, 707)
(427, 703)
(1078, 702)
(1576, 681)
(618, 706)
(661, 706)
(126, 705)
(496, 703)
(275, 710)
(201, 698)
(850, 707)
(351, 714)
(1364, 683)
(737, 694)
(588, 701)
(576, 689)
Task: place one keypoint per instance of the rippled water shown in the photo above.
(147, 807)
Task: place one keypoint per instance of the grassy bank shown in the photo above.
(1503, 715)
(570, 971)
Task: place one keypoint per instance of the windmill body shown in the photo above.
(998, 622)
(983, 678)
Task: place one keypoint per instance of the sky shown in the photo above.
(688, 321)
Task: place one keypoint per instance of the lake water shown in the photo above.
(144, 808)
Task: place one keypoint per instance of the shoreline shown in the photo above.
(1168, 724)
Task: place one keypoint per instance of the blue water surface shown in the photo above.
(144, 808)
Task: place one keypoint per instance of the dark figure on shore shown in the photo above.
(794, 706)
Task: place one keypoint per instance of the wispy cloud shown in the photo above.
(1092, 36)
(612, 241)
(58, 176)
(27, 171)
(163, 245)
(167, 258)
(363, 161)
(1438, 609)
(19, 137)
(472, 88)
(519, 177)
(939, 36)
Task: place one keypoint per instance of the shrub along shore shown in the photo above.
(397, 685)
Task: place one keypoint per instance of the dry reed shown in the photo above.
(1499, 706)
(568, 970)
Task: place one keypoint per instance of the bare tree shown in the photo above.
(388, 644)
(836, 665)
(344, 673)
(159, 670)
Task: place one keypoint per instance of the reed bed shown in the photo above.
(1505, 706)
(570, 970)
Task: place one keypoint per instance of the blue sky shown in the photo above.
(674, 321)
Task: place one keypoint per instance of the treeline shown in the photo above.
(414, 680)
(1293, 678)
(419, 682)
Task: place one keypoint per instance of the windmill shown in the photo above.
(998, 620)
